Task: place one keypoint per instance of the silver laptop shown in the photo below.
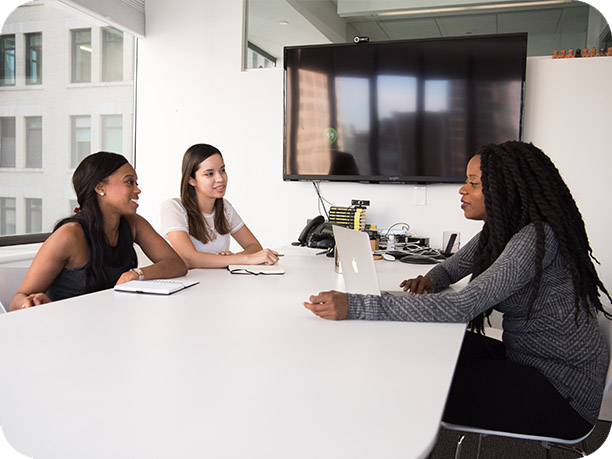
(357, 262)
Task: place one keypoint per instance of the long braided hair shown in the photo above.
(94, 169)
(522, 186)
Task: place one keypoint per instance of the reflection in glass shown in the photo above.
(33, 58)
(112, 54)
(7, 60)
(81, 56)
(33, 141)
(411, 111)
(33, 208)
(7, 141)
(81, 139)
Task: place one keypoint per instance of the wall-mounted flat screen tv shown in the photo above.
(411, 111)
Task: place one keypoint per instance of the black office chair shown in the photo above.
(576, 445)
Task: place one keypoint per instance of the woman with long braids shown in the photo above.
(532, 262)
(94, 249)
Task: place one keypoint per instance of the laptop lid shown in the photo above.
(355, 255)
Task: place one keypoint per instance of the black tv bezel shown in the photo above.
(378, 179)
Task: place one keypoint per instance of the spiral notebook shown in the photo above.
(155, 286)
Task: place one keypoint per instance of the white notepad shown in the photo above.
(256, 269)
(155, 286)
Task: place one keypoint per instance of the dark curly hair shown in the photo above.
(522, 186)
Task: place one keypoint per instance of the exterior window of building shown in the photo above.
(33, 141)
(257, 58)
(33, 208)
(112, 133)
(8, 221)
(112, 54)
(7, 58)
(7, 141)
(51, 120)
(81, 55)
(81, 139)
(34, 56)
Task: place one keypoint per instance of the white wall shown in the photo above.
(191, 89)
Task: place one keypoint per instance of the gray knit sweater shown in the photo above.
(573, 358)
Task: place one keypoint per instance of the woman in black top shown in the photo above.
(93, 250)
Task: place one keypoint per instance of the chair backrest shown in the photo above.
(10, 280)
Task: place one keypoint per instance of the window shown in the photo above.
(81, 55)
(7, 56)
(81, 139)
(33, 58)
(47, 123)
(7, 142)
(8, 224)
(72, 205)
(257, 58)
(112, 54)
(112, 133)
(33, 141)
(33, 208)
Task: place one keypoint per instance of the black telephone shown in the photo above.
(317, 233)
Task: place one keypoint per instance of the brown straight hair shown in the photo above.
(198, 228)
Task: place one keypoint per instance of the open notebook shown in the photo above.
(256, 269)
(155, 286)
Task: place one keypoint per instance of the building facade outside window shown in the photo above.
(33, 42)
(7, 216)
(112, 54)
(81, 55)
(7, 141)
(51, 120)
(33, 208)
(33, 141)
(81, 139)
(7, 58)
(112, 133)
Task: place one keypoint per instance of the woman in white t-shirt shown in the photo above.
(199, 224)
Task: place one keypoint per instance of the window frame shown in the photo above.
(3, 210)
(18, 47)
(28, 141)
(75, 53)
(75, 158)
(6, 55)
(37, 62)
(2, 141)
(107, 34)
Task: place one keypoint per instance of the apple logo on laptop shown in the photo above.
(354, 263)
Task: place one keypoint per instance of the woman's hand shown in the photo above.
(329, 305)
(226, 252)
(418, 285)
(265, 257)
(33, 299)
(126, 277)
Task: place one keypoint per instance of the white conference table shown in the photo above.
(234, 367)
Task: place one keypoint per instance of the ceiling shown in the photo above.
(273, 24)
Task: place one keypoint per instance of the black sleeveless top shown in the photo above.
(71, 282)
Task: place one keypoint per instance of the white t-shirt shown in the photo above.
(174, 218)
